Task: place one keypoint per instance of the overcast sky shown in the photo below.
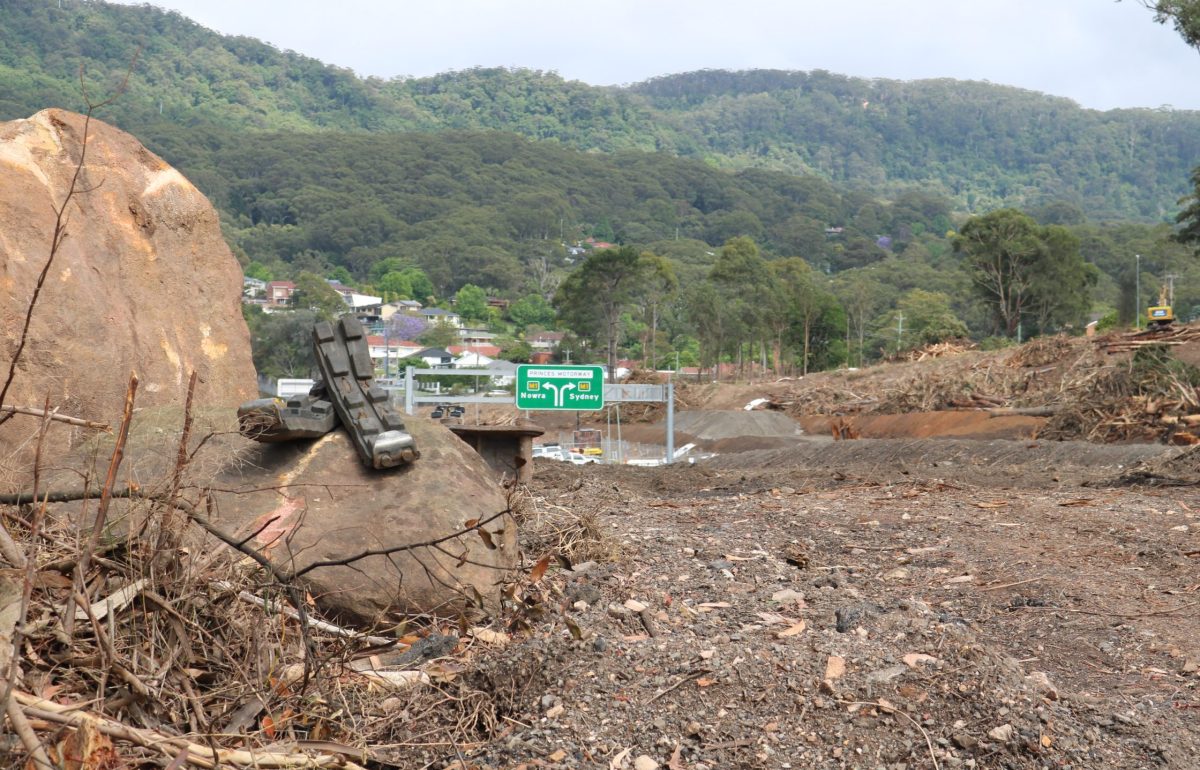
(1101, 53)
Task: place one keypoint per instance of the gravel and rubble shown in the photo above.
(877, 603)
(774, 619)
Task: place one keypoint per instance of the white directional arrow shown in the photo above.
(562, 395)
(557, 397)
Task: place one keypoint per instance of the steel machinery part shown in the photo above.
(299, 417)
(375, 427)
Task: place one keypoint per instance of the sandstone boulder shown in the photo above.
(301, 502)
(317, 503)
(143, 283)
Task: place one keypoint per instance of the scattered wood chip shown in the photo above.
(488, 636)
(914, 659)
(791, 630)
(788, 595)
(114, 602)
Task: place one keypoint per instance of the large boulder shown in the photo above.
(143, 282)
(314, 501)
(300, 502)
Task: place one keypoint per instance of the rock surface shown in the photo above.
(142, 283)
(319, 503)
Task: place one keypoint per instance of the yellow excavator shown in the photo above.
(1160, 315)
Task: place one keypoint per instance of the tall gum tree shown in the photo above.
(743, 283)
(1009, 256)
(593, 298)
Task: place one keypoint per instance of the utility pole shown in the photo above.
(387, 349)
(1137, 307)
(899, 328)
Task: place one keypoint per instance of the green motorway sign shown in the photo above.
(560, 387)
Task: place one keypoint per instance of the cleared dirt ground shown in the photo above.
(948, 590)
(890, 604)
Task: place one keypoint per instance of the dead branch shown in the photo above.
(170, 532)
(105, 497)
(56, 417)
(171, 746)
(1025, 411)
(28, 737)
(319, 625)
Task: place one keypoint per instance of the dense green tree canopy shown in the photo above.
(981, 145)
(596, 296)
(470, 302)
(756, 215)
(1025, 271)
(314, 293)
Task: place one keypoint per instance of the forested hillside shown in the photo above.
(980, 145)
(808, 218)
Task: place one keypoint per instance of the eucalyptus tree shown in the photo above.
(593, 299)
(1023, 269)
(743, 283)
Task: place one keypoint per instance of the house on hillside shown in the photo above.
(384, 350)
(473, 356)
(436, 315)
(476, 336)
(253, 288)
(280, 292)
(471, 359)
(364, 306)
(505, 372)
(436, 358)
(546, 341)
(389, 309)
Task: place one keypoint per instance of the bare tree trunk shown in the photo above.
(807, 328)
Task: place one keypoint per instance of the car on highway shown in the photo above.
(557, 452)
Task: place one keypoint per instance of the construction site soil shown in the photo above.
(960, 592)
(948, 590)
(873, 604)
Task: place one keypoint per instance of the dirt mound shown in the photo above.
(961, 424)
(1119, 388)
(717, 425)
(987, 463)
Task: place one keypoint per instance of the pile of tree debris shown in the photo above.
(1120, 388)
(937, 350)
(1170, 336)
